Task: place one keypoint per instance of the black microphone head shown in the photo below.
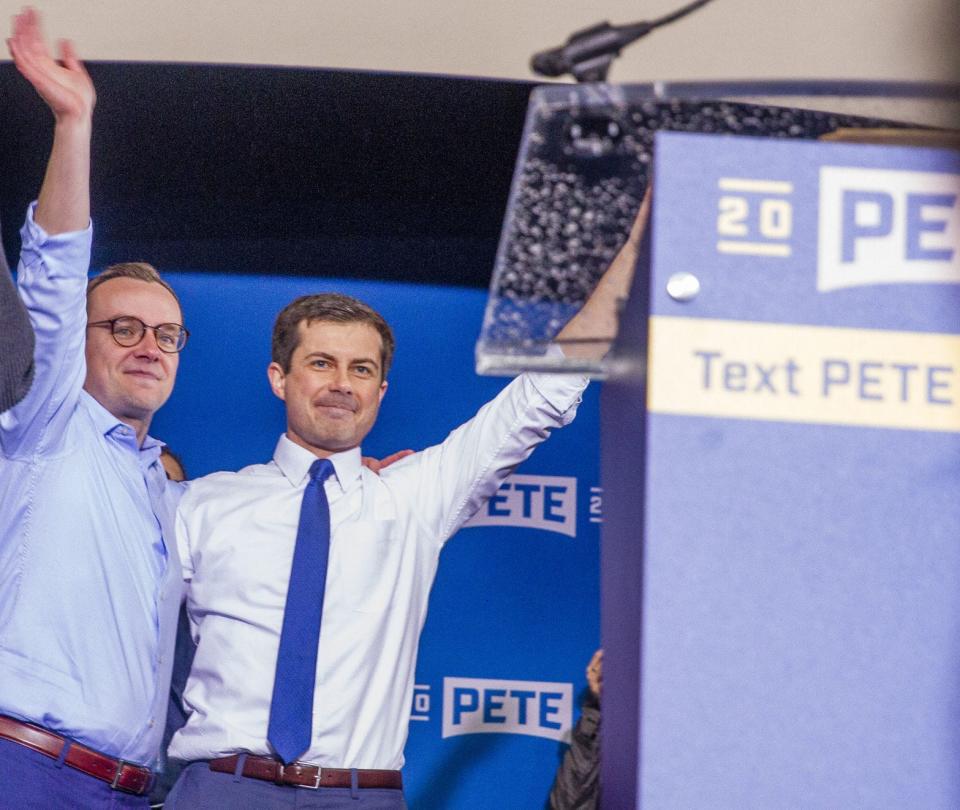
(549, 63)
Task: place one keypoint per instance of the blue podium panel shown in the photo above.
(800, 640)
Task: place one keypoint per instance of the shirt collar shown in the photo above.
(106, 423)
(294, 462)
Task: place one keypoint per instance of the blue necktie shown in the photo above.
(291, 707)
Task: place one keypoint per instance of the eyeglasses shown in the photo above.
(128, 331)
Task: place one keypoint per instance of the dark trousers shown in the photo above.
(33, 781)
(199, 788)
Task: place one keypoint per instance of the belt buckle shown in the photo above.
(115, 783)
(316, 781)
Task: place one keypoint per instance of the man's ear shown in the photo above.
(277, 379)
(383, 391)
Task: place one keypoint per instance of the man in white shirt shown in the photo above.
(238, 536)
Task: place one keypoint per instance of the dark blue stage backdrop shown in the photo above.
(514, 613)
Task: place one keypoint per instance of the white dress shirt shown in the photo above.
(237, 532)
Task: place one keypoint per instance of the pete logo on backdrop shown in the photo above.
(547, 502)
(486, 706)
(420, 710)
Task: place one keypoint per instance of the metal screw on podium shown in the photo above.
(683, 287)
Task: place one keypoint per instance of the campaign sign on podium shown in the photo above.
(796, 467)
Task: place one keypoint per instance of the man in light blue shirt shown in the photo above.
(90, 581)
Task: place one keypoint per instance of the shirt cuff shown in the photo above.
(561, 390)
(64, 254)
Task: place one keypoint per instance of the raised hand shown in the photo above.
(65, 87)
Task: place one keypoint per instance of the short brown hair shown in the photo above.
(138, 270)
(326, 307)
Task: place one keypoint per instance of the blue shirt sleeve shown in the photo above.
(52, 277)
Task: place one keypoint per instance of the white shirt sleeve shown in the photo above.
(455, 478)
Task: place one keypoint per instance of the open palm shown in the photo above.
(64, 86)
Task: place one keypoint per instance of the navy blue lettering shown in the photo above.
(491, 703)
(465, 701)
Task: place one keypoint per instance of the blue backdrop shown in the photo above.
(514, 612)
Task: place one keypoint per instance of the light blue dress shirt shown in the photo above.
(90, 580)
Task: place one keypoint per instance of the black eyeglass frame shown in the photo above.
(111, 325)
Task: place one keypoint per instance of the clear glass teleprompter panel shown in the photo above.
(583, 169)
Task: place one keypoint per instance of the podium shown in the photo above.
(780, 429)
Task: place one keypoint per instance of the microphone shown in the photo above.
(599, 40)
(587, 54)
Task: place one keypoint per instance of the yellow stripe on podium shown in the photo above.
(809, 374)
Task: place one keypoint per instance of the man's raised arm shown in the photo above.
(64, 202)
(55, 245)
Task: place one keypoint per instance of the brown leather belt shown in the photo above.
(308, 776)
(120, 775)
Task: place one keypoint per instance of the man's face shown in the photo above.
(334, 386)
(131, 382)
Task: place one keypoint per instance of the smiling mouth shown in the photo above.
(144, 375)
(336, 410)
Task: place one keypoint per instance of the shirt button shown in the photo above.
(151, 724)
